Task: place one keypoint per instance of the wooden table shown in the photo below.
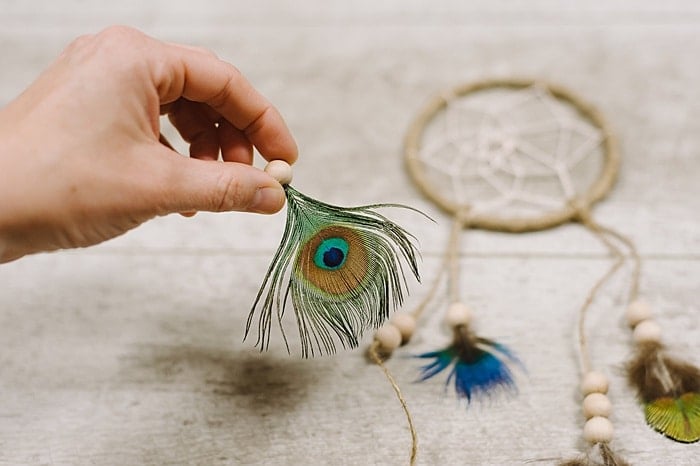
(131, 352)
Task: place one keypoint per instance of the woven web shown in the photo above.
(511, 152)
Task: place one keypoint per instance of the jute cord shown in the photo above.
(374, 354)
(606, 236)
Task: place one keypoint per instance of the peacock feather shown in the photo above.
(341, 267)
(480, 366)
(670, 392)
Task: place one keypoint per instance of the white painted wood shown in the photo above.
(130, 353)
(138, 359)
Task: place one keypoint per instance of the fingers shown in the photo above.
(188, 185)
(235, 146)
(202, 77)
(196, 128)
(207, 131)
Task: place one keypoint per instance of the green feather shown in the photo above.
(342, 268)
(677, 418)
(669, 389)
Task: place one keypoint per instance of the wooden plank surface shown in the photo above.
(131, 352)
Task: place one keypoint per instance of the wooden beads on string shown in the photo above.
(406, 324)
(279, 170)
(398, 331)
(596, 404)
(594, 382)
(598, 429)
(645, 328)
(389, 337)
(596, 408)
(458, 314)
(400, 328)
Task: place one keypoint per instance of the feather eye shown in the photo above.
(346, 273)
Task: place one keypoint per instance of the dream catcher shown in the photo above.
(520, 156)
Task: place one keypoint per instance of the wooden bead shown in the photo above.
(637, 312)
(458, 314)
(596, 404)
(388, 337)
(647, 331)
(598, 430)
(594, 382)
(406, 324)
(279, 170)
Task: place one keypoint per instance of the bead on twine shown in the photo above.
(598, 430)
(596, 404)
(458, 314)
(279, 170)
(647, 331)
(594, 382)
(638, 311)
(406, 324)
(389, 337)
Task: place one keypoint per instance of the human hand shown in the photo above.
(80, 158)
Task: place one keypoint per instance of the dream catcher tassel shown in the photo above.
(342, 268)
(596, 407)
(669, 389)
(478, 366)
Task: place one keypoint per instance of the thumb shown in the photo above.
(215, 186)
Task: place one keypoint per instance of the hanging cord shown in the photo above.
(636, 258)
(585, 218)
(374, 354)
(461, 221)
(450, 260)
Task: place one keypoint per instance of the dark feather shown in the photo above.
(669, 390)
(603, 457)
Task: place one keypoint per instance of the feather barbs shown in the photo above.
(341, 267)
(669, 390)
(480, 365)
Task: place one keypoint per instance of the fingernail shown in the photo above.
(267, 200)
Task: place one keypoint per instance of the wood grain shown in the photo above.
(131, 352)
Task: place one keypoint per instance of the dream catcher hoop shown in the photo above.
(501, 143)
(519, 156)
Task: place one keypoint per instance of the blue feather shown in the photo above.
(479, 366)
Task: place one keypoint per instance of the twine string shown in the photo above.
(376, 357)
(460, 222)
(636, 258)
(585, 218)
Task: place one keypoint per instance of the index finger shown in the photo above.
(203, 77)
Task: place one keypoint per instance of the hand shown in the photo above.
(80, 158)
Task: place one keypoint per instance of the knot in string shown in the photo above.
(582, 211)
